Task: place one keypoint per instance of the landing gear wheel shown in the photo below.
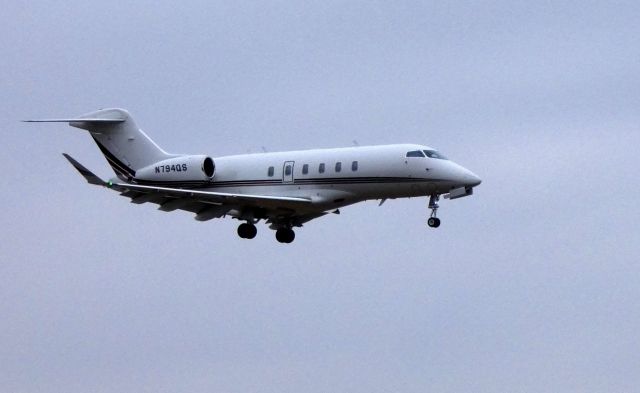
(285, 235)
(247, 231)
(433, 222)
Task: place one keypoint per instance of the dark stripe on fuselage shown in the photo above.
(278, 182)
(117, 165)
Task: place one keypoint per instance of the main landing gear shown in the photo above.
(433, 221)
(247, 231)
(285, 235)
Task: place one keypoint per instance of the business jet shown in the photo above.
(285, 189)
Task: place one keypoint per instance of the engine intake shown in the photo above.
(208, 167)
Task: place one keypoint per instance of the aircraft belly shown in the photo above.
(322, 193)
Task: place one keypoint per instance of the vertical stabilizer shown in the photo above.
(126, 147)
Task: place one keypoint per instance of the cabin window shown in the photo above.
(415, 153)
(321, 168)
(287, 170)
(338, 166)
(270, 171)
(305, 169)
(354, 166)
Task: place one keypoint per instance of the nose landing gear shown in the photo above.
(434, 221)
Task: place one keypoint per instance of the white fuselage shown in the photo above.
(286, 189)
(350, 174)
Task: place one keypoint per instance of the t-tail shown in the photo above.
(134, 157)
(125, 146)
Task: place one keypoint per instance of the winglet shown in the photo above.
(87, 174)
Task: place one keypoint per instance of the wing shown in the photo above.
(207, 204)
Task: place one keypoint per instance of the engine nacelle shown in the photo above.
(182, 168)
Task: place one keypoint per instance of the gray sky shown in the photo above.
(531, 285)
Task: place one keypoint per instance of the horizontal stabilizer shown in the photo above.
(93, 120)
(87, 174)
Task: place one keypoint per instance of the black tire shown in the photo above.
(291, 235)
(247, 231)
(437, 222)
(251, 231)
(285, 235)
(432, 222)
(242, 231)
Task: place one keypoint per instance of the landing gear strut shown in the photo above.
(434, 221)
(247, 231)
(285, 235)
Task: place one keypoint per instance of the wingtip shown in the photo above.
(71, 159)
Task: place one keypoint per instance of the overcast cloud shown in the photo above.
(531, 285)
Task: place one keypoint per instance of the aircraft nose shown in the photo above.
(462, 177)
(469, 179)
(473, 179)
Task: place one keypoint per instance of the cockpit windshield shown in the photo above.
(415, 153)
(435, 154)
(426, 153)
